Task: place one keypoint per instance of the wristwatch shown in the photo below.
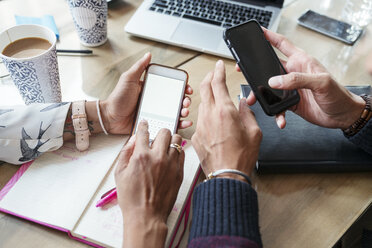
(80, 123)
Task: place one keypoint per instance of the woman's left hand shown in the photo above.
(118, 111)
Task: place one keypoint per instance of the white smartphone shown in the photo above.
(161, 99)
(331, 27)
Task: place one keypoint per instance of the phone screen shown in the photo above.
(259, 63)
(161, 101)
(329, 26)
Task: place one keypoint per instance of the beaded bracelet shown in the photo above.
(222, 171)
(362, 121)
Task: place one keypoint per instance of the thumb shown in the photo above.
(126, 153)
(246, 115)
(135, 72)
(298, 80)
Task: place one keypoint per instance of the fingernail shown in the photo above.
(146, 55)
(219, 62)
(184, 142)
(276, 82)
(144, 122)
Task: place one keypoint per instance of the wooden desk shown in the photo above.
(312, 210)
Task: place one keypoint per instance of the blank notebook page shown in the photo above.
(58, 186)
(105, 226)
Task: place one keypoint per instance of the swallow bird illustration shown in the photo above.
(31, 153)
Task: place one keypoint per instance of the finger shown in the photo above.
(246, 114)
(280, 120)
(181, 161)
(297, 80)
(125, 154)
(142, 135)
(206, 95)
(189, 90)
(186, 102)
(135, 72)
(284, 62)
(251, 98)
(281, 43)
(173, 152)
(184, 124)
(219, 87)
(237, 68)
(162, 141)
(185, 112)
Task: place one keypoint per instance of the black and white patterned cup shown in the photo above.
(37, 77)
(90, 18)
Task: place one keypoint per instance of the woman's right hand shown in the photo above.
(323, 102)
(148, 180)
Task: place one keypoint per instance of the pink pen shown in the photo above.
(106, 198)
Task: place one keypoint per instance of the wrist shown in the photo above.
(355, 112)
(140, 231)
(93, 119)
(243, 164)
(103, 105)
(232, 176)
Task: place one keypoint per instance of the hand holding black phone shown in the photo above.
(258, 62)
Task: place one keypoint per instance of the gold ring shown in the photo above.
(176, 146)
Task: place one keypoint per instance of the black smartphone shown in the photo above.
(258, 62)
(330, 27)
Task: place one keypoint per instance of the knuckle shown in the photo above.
(225, 111)
(177, 137)
(309, 59)
(124, 75)
(160, 159)
(250, 112)
(256, 133)
(326, 82)
(143, 130)
(142, 157)
(294, 77)
(164, 131)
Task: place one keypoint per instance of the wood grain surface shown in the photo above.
(300, 210)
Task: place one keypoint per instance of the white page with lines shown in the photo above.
(104, 225)
(58, 186)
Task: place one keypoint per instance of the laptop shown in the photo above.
(199, 24)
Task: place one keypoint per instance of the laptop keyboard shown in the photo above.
(212, 11)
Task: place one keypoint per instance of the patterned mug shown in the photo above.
(36, 77)
(90, 18)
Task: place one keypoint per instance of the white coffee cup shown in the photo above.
(90, 19)
(37, 77)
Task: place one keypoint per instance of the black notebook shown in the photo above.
(304, 147)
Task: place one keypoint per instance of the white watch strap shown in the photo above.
(80, 123)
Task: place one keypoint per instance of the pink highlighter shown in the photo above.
(111, 194)
(107, 197)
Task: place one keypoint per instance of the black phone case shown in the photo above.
(269, 110)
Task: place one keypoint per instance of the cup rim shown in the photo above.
(33, 57)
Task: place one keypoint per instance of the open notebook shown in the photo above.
(60, 190)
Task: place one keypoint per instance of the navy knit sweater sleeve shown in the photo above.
(363, 138)
(225, 214)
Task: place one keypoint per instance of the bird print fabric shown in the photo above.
(28, 131)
